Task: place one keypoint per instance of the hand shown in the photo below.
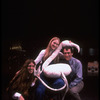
(21, 98)
(33, 83)
(18, 72)
(37, 72)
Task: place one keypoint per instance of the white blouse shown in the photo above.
(40, 56)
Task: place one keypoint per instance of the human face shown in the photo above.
(31, 68)
(54, 44)
(67, 54)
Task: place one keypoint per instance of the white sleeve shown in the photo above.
(39, 57)
(16, 95)
(33, 83)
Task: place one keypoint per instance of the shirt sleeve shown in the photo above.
(16, 95)
(78, 75)
(39, 57)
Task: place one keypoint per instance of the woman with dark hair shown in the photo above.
(21, 85)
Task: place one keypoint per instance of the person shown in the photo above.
(23, 83)
(75, 78)
(43, 55)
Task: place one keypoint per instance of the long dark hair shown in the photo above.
(23, 79)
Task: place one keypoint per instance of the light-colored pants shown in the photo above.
(74, 91)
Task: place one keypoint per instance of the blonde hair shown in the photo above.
(49, 51)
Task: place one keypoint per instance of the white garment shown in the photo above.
(40, 56)
(16, 95)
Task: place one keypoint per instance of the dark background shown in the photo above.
(33, 23)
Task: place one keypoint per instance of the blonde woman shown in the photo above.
(43, 55)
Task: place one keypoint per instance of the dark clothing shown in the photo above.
(52, 82)
(55, 83)
(12, 91)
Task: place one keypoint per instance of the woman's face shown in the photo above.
(30, 68)
(54, 44)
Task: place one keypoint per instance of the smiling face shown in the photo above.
(31, 67)
(54, 44)
(67, 54)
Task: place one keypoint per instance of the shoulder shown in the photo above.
(43, 51)
(76, 60)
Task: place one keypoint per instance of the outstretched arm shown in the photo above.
(39, 57)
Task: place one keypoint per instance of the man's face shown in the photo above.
(67, 54)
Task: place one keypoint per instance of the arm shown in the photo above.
(33, 83)
(79, 77)
(21, 98)
(39, 57)
(13, 79)
(18, 95)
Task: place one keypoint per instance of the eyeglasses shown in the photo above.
(67, 53)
